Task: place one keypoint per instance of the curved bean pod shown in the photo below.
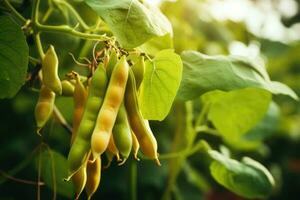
(93, 176)
(80, 149)
(44, 107)
(108, 112)
(141, 129)
(50, 71)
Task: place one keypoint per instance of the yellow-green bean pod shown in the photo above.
(122, 134)
(44, 107)
(142, 131)
(93, 176)
(109, 110)
(80, 149)
(67, 88)
(50, 76)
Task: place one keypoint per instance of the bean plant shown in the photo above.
(120, 95)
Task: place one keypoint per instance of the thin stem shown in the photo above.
(14, 11)
(52, 170)
(207, 130)
(133, 180)
(34, 18)
(39, 175)
(47, 14)
(74, 12)
(71, 31)
(4, 174)
(35, 11)
(39, 45)
(22, 165)
(34, 60)
(201, 118)
(60, 118)
(201, 146)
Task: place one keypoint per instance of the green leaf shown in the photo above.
(13, 57)
(131, 21)
(248, 178)
(236, 112)
(280, 88)
(156, 44)
(56, 175)
(160, 84)
(203, 73)
(264, 129)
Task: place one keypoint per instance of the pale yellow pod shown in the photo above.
(50, 76)
(112, 148)
(110, 107)
(44, 107)
(135, 146)
(80, 96)
(93, 171)
(79, 180)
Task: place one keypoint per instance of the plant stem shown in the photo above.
(14, 11)
(207, 130)
(133, 180)
(34, 60)
(47, 14)
(60, 118)
(201, 146)
(35, 11)
(74, 12)
(71, 31)
(184, 138)
(39, 46)
(4, 174)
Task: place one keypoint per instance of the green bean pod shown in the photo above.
(122, 134)
(141, 129)
(139, 70)
(93, 176)
(113, 59)
(50, 76)
(67, 88)
(80, 149)
(80, 95)
(44, 107)
(109, 110)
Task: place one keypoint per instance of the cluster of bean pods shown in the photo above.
(107, 119)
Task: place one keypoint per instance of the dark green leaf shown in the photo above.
(54, 170)
(132, 22)
(13, 57)
(248, 178)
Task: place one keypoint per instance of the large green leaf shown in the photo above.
(280, 88)
(264, 129)
(248, 178)
(160, 84)
(131, 21)
(236, 112)
(156, 44)
(54, 170)
(13, 57)
(202, 73)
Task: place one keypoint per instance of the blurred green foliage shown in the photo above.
(194, 29)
